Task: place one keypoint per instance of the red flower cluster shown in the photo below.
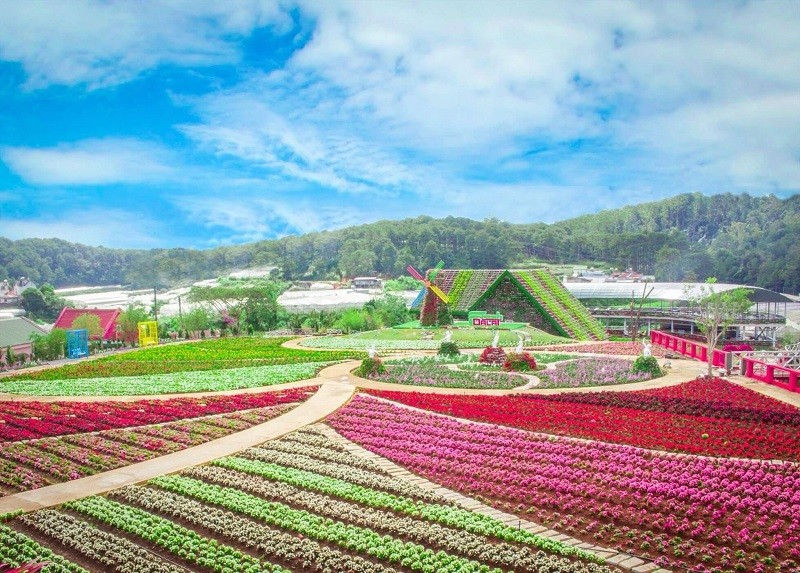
(31, 420)
(699, 417)
(492, 355)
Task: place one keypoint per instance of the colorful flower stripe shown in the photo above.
(568, 415)
(590, 372)
(214, 354)
(683, 510)
(30, 420)
(610, 348)
(714, 397)
(173, 383)
(442, 377)
(34, 464)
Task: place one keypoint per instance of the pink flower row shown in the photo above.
(709, 505)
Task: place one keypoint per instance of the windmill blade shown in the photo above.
(440, 293)
(436, 269)
(418, 301)
(415, 273)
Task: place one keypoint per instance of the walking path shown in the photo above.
(330, 397)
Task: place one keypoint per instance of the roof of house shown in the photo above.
(108, 319)
(18, 330)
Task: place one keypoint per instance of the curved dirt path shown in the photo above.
(330, 397)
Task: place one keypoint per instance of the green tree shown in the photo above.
(357, 263)
(716, 311)
(90, 322)
(128, 322)
(50, 346)
(260, 302)
(196, 320)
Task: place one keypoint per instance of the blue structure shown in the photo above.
(77, 343)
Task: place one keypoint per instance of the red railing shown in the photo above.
(775, 374)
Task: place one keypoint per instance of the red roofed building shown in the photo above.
(108, 319)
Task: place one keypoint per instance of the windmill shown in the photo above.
(427, 284)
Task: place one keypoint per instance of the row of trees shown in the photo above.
(737, 238)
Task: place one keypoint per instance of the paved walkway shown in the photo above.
(330, 397)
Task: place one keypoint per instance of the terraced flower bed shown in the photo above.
(685, 512)
(32, 420)
(37, 463)
(609, 348)
(592, 371)
(216, 354)
(173, 383)
(301, 503)
(649, 419)
(441, 376)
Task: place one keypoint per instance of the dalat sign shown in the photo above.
(482, 318)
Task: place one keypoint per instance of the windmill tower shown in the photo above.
(430, 296)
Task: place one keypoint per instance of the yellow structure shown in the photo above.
(148, 333)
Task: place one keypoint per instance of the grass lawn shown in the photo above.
(465, 338)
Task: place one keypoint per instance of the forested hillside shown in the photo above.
(737, 238)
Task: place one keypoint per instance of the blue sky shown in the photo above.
(199, 123)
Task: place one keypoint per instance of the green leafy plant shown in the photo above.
(449, 349)
(521, 362)
(370, 367)
(648, 364)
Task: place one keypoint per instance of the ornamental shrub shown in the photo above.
(448, 349)
(370, 367)
(492, 355)
(521, 362)
(648, 364)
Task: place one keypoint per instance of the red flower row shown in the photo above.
(31, 420)
(716, 398)
(647, 426)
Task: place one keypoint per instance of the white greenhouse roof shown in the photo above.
(664, 291)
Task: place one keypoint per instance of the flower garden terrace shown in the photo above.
(594, 466)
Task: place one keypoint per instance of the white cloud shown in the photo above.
(91, 226)
(89, 162)
(247, 218)
(105, 43)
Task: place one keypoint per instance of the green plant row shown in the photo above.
(451, 516)
(113, 552)
(178, 540)
(175, 382)
(16, 549)
(555, 308)
(345, 535)
(459, 284)
(578, 309)
(454, 540)
(269, 542)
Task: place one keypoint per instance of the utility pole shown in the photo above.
(155, 305)
(180, 313)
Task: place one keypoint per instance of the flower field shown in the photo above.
(442, 377)
(609, 348)
(685, 512)
(594, 371)
(220, 353)
(172, 383)
(300, 503)
(662, 419)
(33, 420)
(36, 463)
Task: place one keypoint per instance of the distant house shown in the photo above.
(367, 283)
(16, 333)
(108, 319)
